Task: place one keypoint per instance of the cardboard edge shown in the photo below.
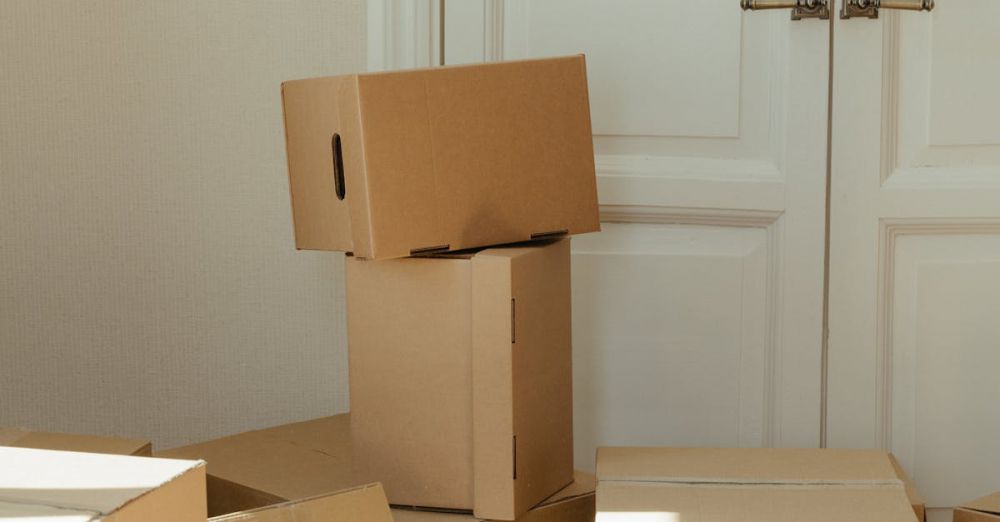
(358, 203)
(137, 509)
(916, 501)
(377, 487)
(494, 452)
(590, 128)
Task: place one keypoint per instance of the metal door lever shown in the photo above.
(800, 8)
(869, 8)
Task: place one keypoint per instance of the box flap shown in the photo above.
(14, 512)
(86, 482)
(287, 462)
(988, 504)
(361, 504)
(522, 375)
(745, 466)
(21, 438)
(666, 502)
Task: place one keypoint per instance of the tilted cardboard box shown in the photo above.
(360, 504)
(391, 164)
(312, 458)
(22, 438)
(461, 377)
(82, 487)
(749, 485)
(985, 509)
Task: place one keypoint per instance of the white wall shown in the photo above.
(149, 284)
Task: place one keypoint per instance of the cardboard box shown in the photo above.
(461, 377)
(748, 485)
(361, 504)
(264, 467)
(22, 438)
(985, 509)
(916, 501)
(574, 503)
(308, 459)
(392, 164)
(81, 487)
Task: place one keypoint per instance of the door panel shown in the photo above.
(915, 250)
(698, 309)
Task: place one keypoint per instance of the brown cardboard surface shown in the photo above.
(81, 487)
(749, 485)
(574, 503)
(361, 504)
(984, 509)
(21, 438)
(522, 373)
(919, 507)
(413, 326)
(289, 462)
(443, 158)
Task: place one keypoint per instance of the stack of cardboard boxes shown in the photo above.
(455, 190)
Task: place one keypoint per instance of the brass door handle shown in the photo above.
(869, 8)
(800, 8)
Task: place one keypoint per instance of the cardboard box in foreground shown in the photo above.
(461, 377)
(21, 438)
(313, 458)
(985, 509)
(391, 164)
(82, 487)
(361, 504)
(919, 507)
(758, 485)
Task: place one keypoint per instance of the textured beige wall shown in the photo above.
(149, 285)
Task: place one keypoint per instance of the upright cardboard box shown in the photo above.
(360, 504)
(82, 487)
(749, 485)
(22, 438)
(392, 164)
(985, 509)
(312, 458)
(461, 378)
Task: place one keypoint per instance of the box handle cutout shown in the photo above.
(515, 457)
(512, 331)
(338, 166)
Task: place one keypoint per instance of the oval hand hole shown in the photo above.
(338, 166)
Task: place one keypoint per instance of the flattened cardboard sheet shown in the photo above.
(361, 504)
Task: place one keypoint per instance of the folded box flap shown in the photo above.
(988, 504)
(746, 466)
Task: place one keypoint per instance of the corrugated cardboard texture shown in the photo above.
(450, 157)
(361, 504)
(19, 438)
(574, 503)
(410, 362)
(114, 488)
(262, 467)
(919, 507)
(522, 373)
(984, 509)
(410, 328)
(749, 485)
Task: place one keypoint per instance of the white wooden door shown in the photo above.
(698, 308)
(914, 348)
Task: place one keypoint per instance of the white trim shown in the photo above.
(403, 34)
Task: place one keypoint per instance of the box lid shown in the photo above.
(23, 438)
(775, 485)
(33, 481)
(360, 504)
